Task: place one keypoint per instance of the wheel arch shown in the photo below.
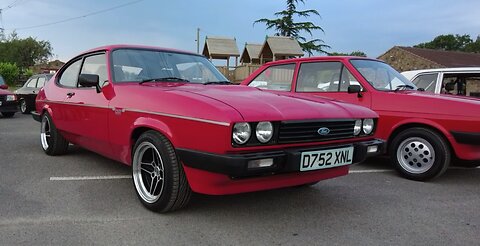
(142, 125)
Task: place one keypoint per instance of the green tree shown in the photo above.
(285, 25)
(473, 46)
(9, 72)
(354, 53)
(25, 52)
(448, 42)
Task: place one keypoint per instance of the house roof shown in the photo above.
(283, 46)
(251, 51)
(220, 47)
(446, 58)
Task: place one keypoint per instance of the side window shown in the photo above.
(96, 64)
(324, 77)
(41, 82)
(31, 83)
(69, 76)
(277, 78)
(426, 81)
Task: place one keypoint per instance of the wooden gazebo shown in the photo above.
(251, 54)
(279, 48)
(221, 48)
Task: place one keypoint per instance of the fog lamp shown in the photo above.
(372, 149)
(260, 163)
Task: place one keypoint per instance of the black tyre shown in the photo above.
(24, 107)
(420, 154)
(52, 141)
(158, 177)
(8, 114)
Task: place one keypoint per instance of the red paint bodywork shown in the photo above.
(401, 109)
(192, 116)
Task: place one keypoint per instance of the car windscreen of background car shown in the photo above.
(136, 65)
(381, 76)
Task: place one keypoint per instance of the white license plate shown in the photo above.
(321, 159)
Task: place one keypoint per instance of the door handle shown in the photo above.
(70, 94)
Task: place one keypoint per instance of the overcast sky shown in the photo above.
(371, 26)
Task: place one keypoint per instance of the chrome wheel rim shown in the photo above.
(45, 133)
(416, 155)
(148, 172)
(23, 106)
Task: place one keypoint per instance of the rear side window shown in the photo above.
(277, 78)
(69, 76)
(426, 81)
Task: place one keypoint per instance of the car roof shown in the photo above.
(319, 58)
(451, 69)
(131, 46)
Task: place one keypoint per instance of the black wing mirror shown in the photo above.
(355, 89)
(89, 80)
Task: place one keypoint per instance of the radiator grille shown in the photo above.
(295, 132)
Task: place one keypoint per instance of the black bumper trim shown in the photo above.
(36, 116)
(288, 160)
(472, 138)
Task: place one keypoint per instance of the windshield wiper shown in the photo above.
(218, 83)
(403, 87)
(167, 79)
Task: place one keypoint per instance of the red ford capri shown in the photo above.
(171, 116)
(425, 132)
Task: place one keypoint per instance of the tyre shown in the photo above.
(8, 114)
(158, 177)
(420, 154)
(23, 107)
(52, 141)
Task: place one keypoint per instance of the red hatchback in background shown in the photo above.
(170, 115)
(424, 132)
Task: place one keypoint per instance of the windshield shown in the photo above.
(381, 76)
(137, 65)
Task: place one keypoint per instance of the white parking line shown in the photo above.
(80, 178)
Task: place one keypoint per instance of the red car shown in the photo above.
(170, 115)
(8, 100)
(424, 132)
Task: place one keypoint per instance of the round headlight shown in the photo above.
(264, 131)
(357, 128)
(367, 126)
(241, 132)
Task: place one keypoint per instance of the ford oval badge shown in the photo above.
(323, 131)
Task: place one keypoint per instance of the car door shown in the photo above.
(330, 79)
(85, 111)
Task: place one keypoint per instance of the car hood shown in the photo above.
(5, 92)
(430, 103)
(254, 104)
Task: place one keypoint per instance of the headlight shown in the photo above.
(357, 128)
(264, 131)
(367, 126)
(241, 132)
(11, 97)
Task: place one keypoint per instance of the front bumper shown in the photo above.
(10, 106)
(284, 161)
(471, 138)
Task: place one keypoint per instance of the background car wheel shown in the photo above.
(420, 154)
(159, 178)
(52, 141)
(23, 107)
(8, 114)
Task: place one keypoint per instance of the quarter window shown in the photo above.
(277, 78)
(426, 81)
(41, 82)
(69, 76)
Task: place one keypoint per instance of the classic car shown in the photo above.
(463, 81)
(425, 132)
(173, 117)
(8, 100)
(28, 92)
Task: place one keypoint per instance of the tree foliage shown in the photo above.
(25, 52)
(9, 72)
(285, 25)
(453, 43)
(354, 53)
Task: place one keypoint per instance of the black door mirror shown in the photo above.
(89, 80)
(354, 89)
